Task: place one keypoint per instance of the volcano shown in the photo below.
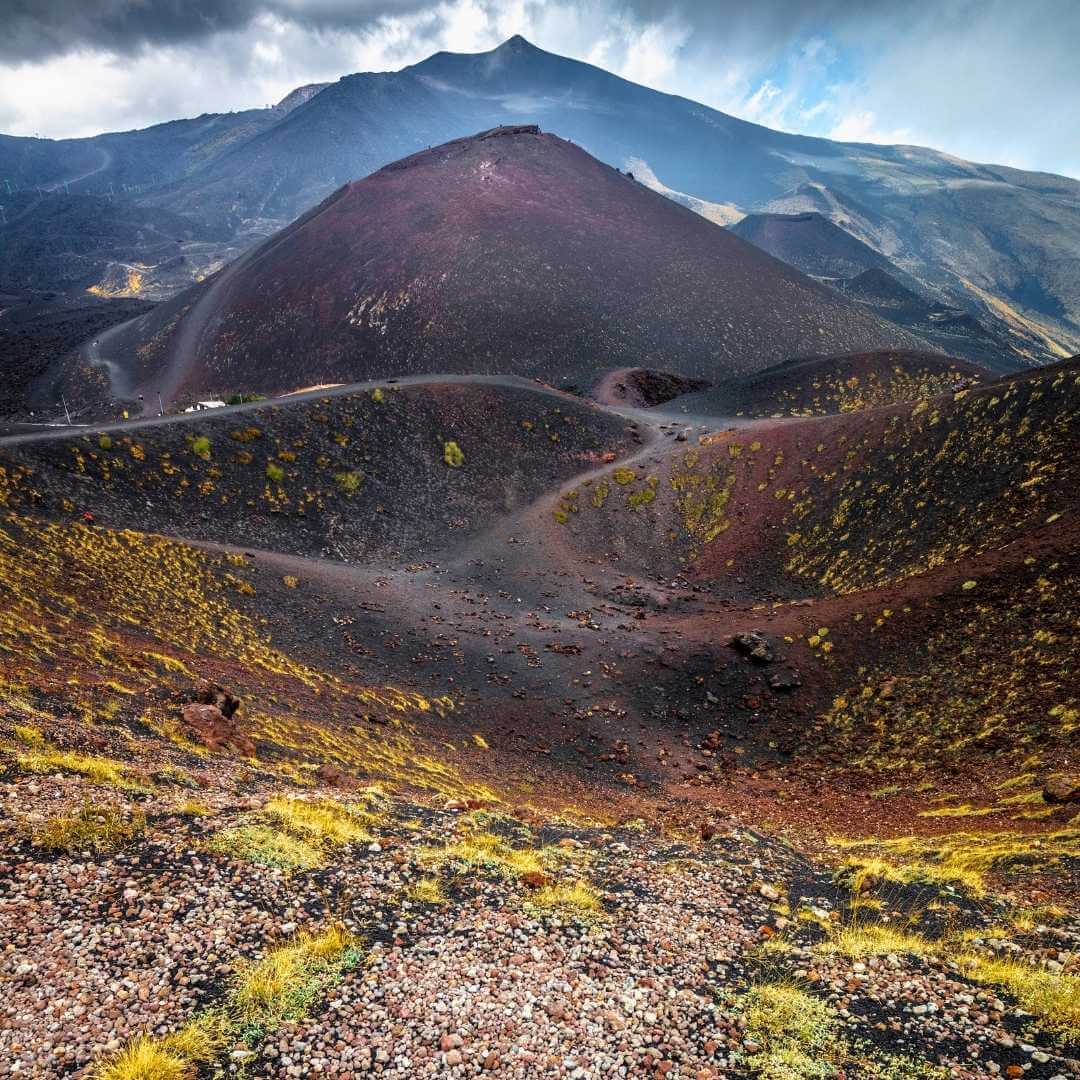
(511, 251)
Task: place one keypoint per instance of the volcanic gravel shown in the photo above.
(99, 948)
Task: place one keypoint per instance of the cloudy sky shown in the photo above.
(988, 80)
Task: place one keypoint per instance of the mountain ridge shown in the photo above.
(1001, 243)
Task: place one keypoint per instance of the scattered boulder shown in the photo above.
(1062, 789)
(755, 644)
(332, 776)
(212, 693)
(208, 725)
(786, 680)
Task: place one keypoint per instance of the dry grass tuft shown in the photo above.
(426, 891)
(959, 859)
(286, 981)
(1053, 998)
(859, 940)
(172, 1056)
(146, 1058)
(264, 846)
(28, 736)
(43, 759)
(799, 1035)
(317, 822)
(485, 851)
(579, 898)
(281, 986)
(93, 828)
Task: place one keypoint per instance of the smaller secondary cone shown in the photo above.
(510, 251)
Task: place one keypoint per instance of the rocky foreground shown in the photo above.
(200, 920)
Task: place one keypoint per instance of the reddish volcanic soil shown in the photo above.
(588, 624)
(511, 251)
(818, 385)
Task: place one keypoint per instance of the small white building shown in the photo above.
(199, 406)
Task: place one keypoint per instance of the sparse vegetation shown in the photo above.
(1052, 997)
(859, 940)
(957, 859)
(349, 482)
(287, 980)
(486, 851)
(321, 823)
(42, 758)
(452, 454)
(578, 898)
(294, 834)
(264, 846)
(92, 828)
(281, 986)
(427, 891)
(798, 1035)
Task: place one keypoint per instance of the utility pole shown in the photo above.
(161, 408)
(67, 415)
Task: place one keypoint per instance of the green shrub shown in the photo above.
(452, 455)
(349, 482)
(104, 442)
(200, 447)
(274, 472)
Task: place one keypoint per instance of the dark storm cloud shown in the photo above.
(992, 80)
(37, 29)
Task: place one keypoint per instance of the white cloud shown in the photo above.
(990, 80)
(863, 126)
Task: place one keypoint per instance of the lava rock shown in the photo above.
(755, 644)
(1062, 789)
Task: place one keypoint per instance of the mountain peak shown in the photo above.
(517, 44)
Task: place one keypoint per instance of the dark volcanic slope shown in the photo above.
(397, 473)
(820, 385)
(36, 331)
(59, 241)
(835, 504)
(811, 243)
(951, 329)
(510, 251)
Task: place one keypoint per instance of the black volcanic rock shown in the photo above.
(511, 251)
